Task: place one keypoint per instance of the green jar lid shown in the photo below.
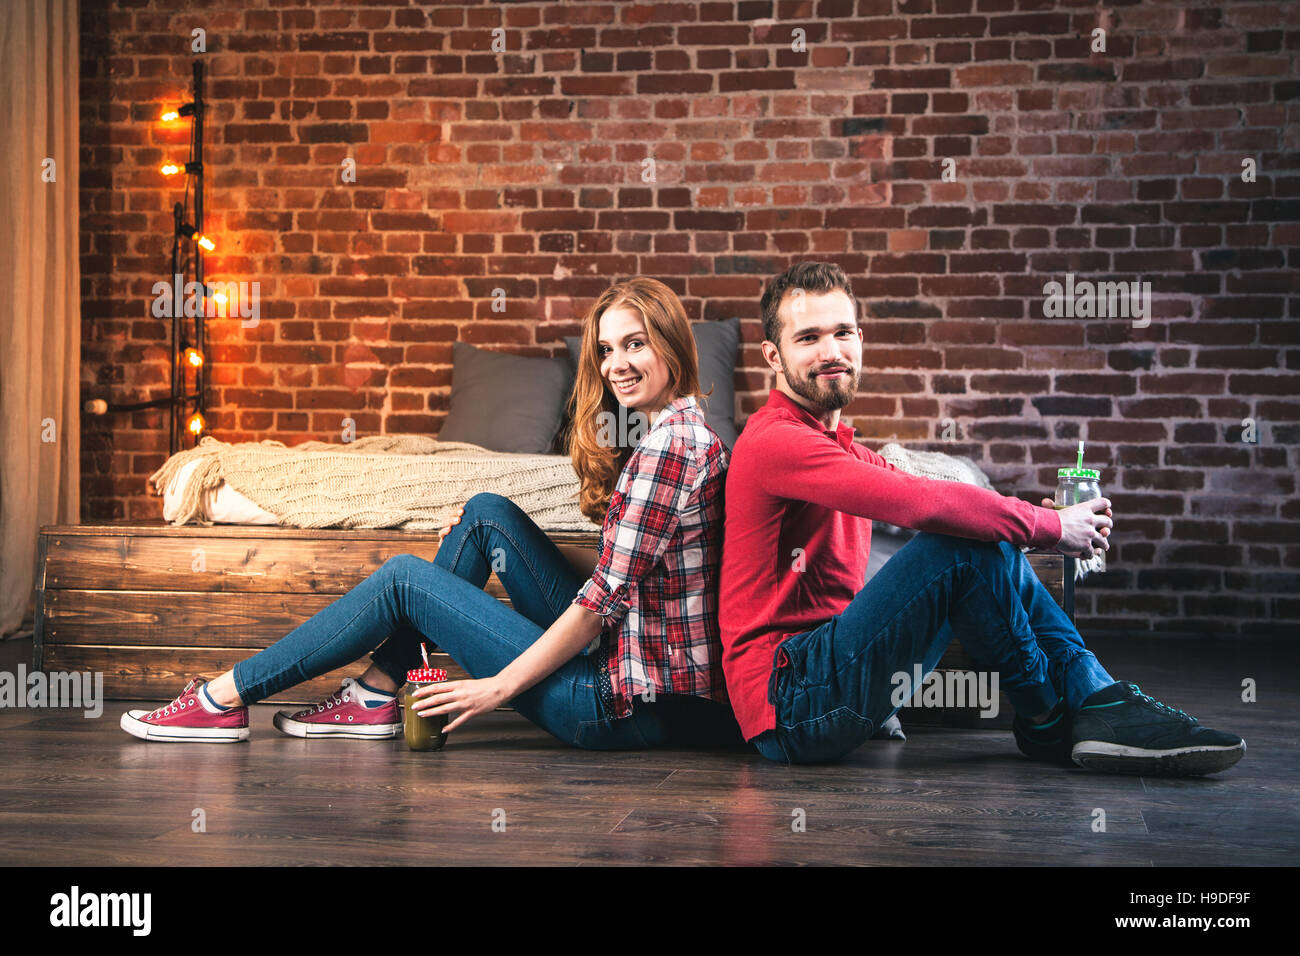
(1078, 473)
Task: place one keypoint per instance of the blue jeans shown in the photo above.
(836, 688)
(409, 600)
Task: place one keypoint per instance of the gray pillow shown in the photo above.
(717, 344)
(505, 402)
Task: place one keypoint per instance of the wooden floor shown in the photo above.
(75, 791)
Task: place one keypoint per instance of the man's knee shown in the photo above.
(966, 548)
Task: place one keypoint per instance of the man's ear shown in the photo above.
(771, 356)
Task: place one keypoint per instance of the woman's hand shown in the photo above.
(466, 697)
(455, 520)
(1085, 527)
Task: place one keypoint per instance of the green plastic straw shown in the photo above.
(1080, 464)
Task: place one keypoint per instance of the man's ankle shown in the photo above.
(1048, 716)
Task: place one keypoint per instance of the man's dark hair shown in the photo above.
(816, 278)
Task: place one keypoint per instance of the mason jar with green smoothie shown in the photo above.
(423, 733)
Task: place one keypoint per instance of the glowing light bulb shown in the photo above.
(205, 242)
(193, 357)
(170, 169)
(195, 423)
(219, 298)
(170, 115)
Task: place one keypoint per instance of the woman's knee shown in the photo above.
(401, 566)
(487, 504)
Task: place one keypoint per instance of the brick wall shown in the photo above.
(525, 171)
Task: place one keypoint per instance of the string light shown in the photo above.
(191, 233)
(170, 115)
(170, 169)
(195, 424)
(193, 357)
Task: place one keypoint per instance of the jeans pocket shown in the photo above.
(787, 668)
(828, 737)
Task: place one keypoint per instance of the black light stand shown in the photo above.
(178, 399)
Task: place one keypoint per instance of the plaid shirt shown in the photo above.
(656, 580)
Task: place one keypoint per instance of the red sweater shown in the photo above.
(795, 485)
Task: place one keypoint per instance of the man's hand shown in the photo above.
(1085, 527)
(465, 697)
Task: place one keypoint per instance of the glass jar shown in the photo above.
(423, 733)
(1074, 485)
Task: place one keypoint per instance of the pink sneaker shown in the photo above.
(185, 720)
(342, 715)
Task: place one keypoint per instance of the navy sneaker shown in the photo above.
(1119, 729)
(1050, 741)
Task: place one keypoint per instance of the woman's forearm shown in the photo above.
(572, 631)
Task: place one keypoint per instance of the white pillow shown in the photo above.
(223, 504)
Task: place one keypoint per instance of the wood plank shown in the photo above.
(160, 673)
(235, 559)
(193, 618)
(160, 528)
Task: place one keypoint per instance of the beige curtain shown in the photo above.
(40, 308)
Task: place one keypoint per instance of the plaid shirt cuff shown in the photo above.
(596, 597)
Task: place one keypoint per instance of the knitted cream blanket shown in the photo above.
(384, 481)
(935, 464)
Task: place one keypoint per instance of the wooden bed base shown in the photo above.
(150, 605)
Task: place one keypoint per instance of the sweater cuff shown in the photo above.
(1047, 528)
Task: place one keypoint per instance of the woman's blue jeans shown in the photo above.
(837, 686)
(409, 600)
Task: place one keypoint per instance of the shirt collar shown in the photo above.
(842, 433)
(676, 405)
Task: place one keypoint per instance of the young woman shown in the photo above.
(648, 610)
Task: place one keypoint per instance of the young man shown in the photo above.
(810, 654)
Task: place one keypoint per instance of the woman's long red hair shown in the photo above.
(598, 462)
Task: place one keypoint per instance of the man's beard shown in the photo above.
(825, 394)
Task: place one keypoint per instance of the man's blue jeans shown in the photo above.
(408, 600)
(836, 688)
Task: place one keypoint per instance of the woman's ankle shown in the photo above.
(222, 691)
(376, 679)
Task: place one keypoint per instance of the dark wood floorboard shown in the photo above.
(80, 792)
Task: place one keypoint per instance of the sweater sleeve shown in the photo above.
(802, 465)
